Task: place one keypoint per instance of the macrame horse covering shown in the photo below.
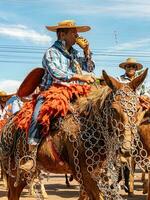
(91, 137)
(57, 102)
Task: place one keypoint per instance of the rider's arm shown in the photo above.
(57, 65)
(86, 62)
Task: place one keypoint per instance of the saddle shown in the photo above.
(56, 106)
(31, 82)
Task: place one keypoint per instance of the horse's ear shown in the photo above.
(110, 81)
(138, 80)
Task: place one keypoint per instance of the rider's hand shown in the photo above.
(88, 79)
(144, 98)
(84, 78)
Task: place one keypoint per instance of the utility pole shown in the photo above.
(116, 37)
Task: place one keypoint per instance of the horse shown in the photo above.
(94, 135)
(141, 160)
(144, 160)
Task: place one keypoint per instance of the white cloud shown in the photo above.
(9, 86)
(22, 32)
(138, 49)
(122, 8)
(132, 45)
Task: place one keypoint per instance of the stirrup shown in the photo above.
(30, 158)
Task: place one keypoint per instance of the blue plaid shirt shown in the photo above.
(60, 65)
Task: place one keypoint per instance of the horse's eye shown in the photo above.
(115, 111)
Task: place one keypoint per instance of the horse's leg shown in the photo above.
(143, 176)
(148, 196)
(31, 189)
(33, 186)
(43, 191)
(71, 178)
(1, 171)
(131, 177)
(67, 182)
(14, 192)
(92, 190)
(83, 196)
(145, 186)
(5, 180)
(126, 173)
(87, 197)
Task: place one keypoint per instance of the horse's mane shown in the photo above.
(96, 95)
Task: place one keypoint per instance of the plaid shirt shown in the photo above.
(60, 66)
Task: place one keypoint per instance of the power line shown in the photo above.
(21, 52)
(127, 54)
(45, 47)
(15, 61)
(19, 56)
(116, 38)
(13, 51)
(21, 47)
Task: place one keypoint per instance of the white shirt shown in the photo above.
(13, 105)
(2, 112)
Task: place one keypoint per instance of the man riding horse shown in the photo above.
(132, 69)
(3, 99)
(63, 65)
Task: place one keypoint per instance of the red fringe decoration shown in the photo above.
(23, 118)
(2, 123)
(57, 100)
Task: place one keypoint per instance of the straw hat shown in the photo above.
(68, 24)
(4, 96)
(2, 93)
(131, 61)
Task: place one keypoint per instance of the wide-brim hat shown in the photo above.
(131, 61)
(4, 96)
(68, 24)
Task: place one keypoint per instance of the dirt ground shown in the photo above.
(57, 189)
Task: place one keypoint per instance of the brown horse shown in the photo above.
(145, 139)
(89, 142)
(142, 154)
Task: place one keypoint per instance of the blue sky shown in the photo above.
(120, 29)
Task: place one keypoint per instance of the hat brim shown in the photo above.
(79, 28)
(5, 98)
(123, 65)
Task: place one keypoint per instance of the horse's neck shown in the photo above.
(96, 111)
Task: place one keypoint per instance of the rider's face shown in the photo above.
(131, 69)
(70, 36)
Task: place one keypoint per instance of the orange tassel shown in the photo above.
(57, 103)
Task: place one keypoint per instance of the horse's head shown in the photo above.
(124, 107)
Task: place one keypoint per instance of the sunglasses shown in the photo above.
(131, 66)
